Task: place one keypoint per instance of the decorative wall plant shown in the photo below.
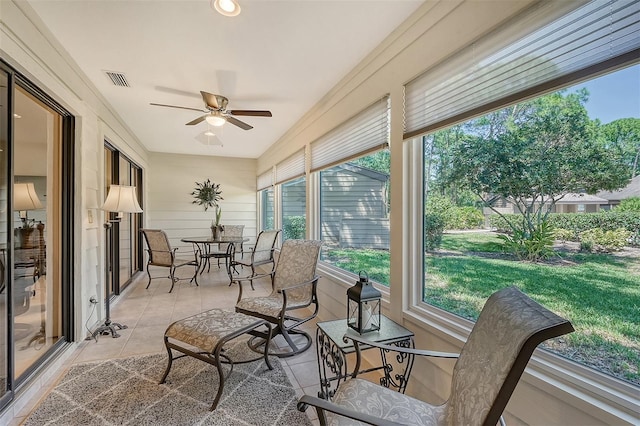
(207, 194)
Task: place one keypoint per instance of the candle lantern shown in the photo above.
(363, 305)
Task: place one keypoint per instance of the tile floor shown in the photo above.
(147, 313)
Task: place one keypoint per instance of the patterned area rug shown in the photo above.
(126, 392)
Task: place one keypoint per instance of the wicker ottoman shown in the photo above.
(207, 332)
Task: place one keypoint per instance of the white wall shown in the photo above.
(172, 178)
(436, 31)
(27, 45)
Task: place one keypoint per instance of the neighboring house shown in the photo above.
(357, 217)
(613, 198)
(576, 202)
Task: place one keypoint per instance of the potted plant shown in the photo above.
(208, 194)
(216, 228)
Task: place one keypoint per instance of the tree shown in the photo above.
(533, 154)
(624, 134)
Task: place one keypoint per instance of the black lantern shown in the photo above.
(363, 305)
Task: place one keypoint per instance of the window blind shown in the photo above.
(265, 180)
(366, 132)
(290, 168)
(597, 36)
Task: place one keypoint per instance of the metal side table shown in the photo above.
(332, 354)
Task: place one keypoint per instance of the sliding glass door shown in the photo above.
(36, 200)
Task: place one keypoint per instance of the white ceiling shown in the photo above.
(281, 56)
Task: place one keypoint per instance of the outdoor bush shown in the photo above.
(564, 235)
(631, 204)
(294, 227)
(579, 222)
(534, 247)
(464, 218)
(606, 241)
(433, 228)
(455, 217)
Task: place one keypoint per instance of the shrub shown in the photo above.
(294, 227)
(631, 204)
(579, 222)
(564, 235)
(605, 241)
(532, 247)
(433, 228)
(464, 218)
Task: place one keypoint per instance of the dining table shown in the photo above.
(202, 247)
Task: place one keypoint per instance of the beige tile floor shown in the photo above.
(147, 313)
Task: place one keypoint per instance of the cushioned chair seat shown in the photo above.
(271, 305)
(384, 403)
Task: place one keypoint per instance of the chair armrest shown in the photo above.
(293, 287)
(322, 405)
(419, 352)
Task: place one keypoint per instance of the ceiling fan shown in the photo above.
(217, 113)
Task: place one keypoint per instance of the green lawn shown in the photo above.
(598, 293)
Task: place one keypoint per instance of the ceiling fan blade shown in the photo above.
(250, 112)
(197, 120)
(176, 106)
(210, 99)
(239, 123)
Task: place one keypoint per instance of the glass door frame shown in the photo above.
(66, 243)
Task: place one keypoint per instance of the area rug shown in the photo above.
(126, 392)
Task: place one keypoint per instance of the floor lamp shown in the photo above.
(121, 199)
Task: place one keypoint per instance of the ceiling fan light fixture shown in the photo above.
(227, 7)
(215, 120)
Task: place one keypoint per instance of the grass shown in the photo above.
(598, 293)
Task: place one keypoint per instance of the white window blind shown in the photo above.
(366, 132)
(290, 168)
(265, 180)
(587, 40)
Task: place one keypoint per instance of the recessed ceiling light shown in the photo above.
(227, 7)
(16, 115)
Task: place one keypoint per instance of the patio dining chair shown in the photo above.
(222, 250)
(161, 254)
(487, 370)
(260, 262)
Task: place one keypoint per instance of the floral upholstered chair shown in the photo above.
(294, 288)
(487, 370)
(161, 254)
(222, 250)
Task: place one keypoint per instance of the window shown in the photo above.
(354, 215)
(267, 216)
(294, 205)
(517, 193)
(122, 171)
(354, 164)
(517, 166)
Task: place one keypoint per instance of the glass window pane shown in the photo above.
(354, 215)
(268, 213)
(544, 195)
(294, 204)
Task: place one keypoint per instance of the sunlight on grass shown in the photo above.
(598, 293)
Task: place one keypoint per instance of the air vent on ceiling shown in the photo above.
(117, 78)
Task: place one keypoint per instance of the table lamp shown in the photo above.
(24, 199)
(120, 199)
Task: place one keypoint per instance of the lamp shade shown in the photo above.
(25, 197)
(122, 199)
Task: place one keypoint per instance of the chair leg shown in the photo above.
(148, 273)
(172, 278)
